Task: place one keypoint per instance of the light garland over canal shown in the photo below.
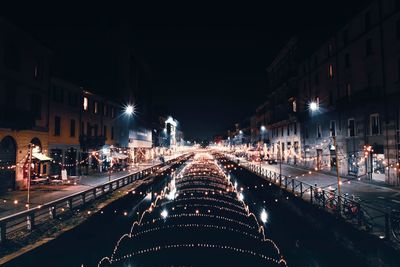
(199, 219)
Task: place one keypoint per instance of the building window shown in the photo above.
(345, 37)
(294, 106)
(58, 94)
(57, 126)
(330, 98)
(36, 106)
(72, 99)
(398, 69)
(374, 124)
(112, 113)
(347, 60)
(368, 47)
(333, 128)
(330, 49)
(367, 20)
(348, 91)
(105, 131)
(351, 124)
(105, 110)
(330, 71)
(88, 129)
(85, 103)
(12, 57)
(95, 107)
(72, 128)
(112, 133)
(319, 131)
(10, 94)
(369, 79)
(82, 128)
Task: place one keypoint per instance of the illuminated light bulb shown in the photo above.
(164, 214)
(264, 216)
(15, 201)
(125, 213)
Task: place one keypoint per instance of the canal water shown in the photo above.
(300, 243)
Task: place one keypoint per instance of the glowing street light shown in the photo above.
(263, 128)
(264, 216)
(313, 106)
(129, 110)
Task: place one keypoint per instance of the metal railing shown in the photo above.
(384, 224)
(11, 225)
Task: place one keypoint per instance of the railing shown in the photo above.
(365, 217)
(29, 219)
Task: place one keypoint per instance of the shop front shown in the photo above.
(140, 143)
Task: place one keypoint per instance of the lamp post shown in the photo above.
(337, 171)
(30, 147)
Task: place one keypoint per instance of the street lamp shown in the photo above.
(313, 106)
(129, 110)
(263, 128)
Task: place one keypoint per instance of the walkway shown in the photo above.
(15, 201)
(383, 197)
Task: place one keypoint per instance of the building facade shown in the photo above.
(353, 81)
(338, 104)
(279, 127)
(24, 87)
(64, 127)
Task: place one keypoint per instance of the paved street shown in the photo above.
(370, 193)
(41, 194)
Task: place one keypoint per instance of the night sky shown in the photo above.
(207, 61)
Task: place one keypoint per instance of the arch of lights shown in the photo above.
(199, 210)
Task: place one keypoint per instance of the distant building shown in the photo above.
(64, 126)
(141, 144)
(276, 121)
(353, 81)
(345, 90)
(102, 125)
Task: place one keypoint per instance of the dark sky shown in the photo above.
(207, 60)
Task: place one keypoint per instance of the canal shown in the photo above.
(300, 243)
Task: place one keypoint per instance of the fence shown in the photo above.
(365, 217)
(28, 219)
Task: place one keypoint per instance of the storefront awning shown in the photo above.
(41, 157)
(117, 155)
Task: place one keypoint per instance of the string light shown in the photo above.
(203, 180)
